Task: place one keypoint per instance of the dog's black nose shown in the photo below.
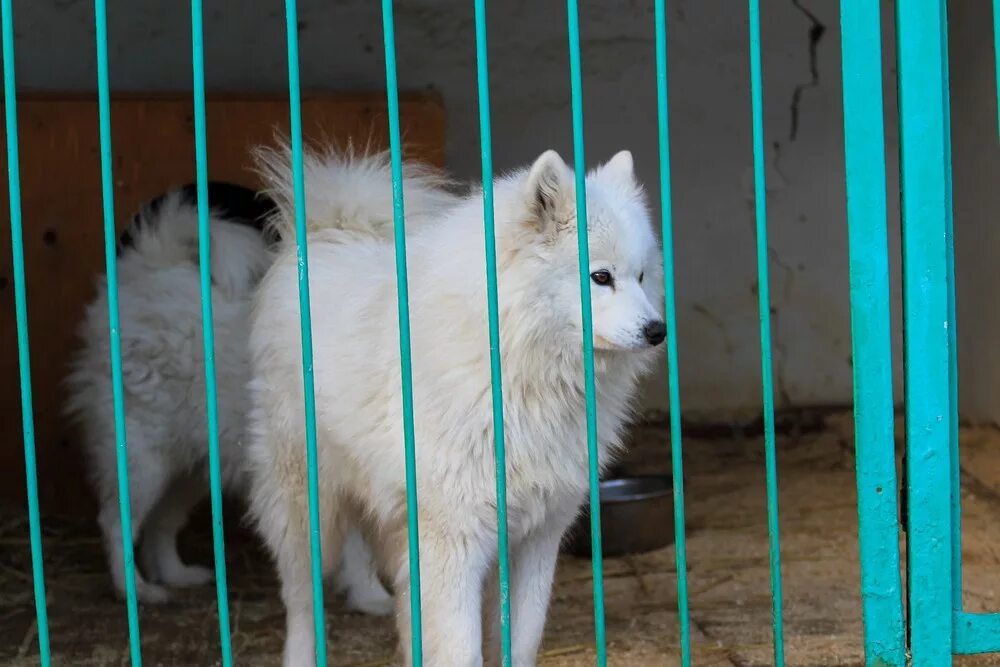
(654, 332)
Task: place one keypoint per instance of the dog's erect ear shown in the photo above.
(547, 188)
(619, 169)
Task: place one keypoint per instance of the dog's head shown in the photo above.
(625, 265)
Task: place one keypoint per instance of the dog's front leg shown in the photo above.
(452, 568)
(532, 570)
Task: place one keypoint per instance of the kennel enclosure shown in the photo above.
(927, 626)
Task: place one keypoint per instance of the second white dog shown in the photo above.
(164, 386)
(357, 378)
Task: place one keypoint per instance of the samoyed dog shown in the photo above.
(164, 382)
(359, 408)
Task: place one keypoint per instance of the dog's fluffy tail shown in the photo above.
(166, 235)
(350, 191)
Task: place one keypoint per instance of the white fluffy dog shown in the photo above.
(357, 379)
(163, 373)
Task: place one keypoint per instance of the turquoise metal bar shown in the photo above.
(208, 327)
(403, 299)
(764, 298)
(305, 323)
(117, 385)
(486, 147)
(874, 418)
(580, 167)
(955, 459)
(23, 349)
(996, 54)
(670, 314)
(924, 180)
(975, 633)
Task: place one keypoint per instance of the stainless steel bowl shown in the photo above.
(637, 515)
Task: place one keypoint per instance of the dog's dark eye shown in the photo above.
(641, 276)
(601, 277)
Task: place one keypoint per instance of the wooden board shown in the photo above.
(153, 142)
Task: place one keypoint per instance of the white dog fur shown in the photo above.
(357, 381)
(163, 373)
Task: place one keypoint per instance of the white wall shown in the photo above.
(341, 49)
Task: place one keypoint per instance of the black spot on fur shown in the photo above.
(125, 241)
(234, 202)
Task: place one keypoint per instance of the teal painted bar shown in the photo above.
(670, 314)
(208, 328)
(955, 459)
(874, 418)
(305, 323)
(924, 180)
(975, 633)
(764, 297)
(580, 167)
(996, 54)
(403, 299)
(23, 349)
(486, 147)
(111, 266)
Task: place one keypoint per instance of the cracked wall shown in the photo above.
(340, 43)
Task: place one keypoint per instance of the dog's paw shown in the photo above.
(148, 593)
(372, 602)
(188, 576)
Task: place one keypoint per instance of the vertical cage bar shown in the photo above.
(874, 416)
(996, 55)
(208, 327)
(23, 348)
(924, 179)
(670, 313)
(403, 299)
(486, 147)
(763, 291)
(117, 385)
(580, 169)
(955, 458)
(305, 322)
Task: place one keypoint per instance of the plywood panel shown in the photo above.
(153, 151)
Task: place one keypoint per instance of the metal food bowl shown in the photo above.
(637, 515)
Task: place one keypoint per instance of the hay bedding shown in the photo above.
(727, 556)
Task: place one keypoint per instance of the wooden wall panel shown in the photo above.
(153, 139)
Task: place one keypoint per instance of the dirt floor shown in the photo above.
(727, 555)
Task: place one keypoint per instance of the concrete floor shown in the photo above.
(727, 556)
